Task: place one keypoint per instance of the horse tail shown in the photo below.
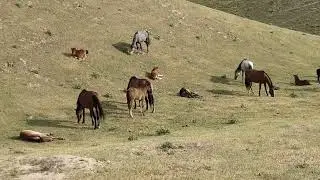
(268, 77)
(128, 98)
(97, 102)
(148, 40)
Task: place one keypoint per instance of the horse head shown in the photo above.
(236, 74)
(271, 91)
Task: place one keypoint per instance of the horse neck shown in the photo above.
(239, 66)
(296, 78)
(269, 82)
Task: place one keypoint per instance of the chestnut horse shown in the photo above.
(89, 99)
(260, 77)
(139, 94)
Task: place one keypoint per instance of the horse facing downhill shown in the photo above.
(89, 99)
(260, 77)
(138, 38)
(244, 65)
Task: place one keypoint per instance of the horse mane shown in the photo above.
(268, 77)
(239, 66)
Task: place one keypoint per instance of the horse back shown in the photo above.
(255, 76)
(85, 98)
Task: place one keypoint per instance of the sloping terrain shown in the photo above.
(227, 134)
(300, 15)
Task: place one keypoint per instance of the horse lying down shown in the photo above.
(34, 136)
(189, 94)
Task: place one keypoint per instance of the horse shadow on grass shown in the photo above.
(114, 108)
(45, 122)
(67, 54)
(123, 47)
(226, 92)
(220, 79)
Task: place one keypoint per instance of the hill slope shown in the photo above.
(296, 15)
(227, 134)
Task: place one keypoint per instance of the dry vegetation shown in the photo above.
(225, 135)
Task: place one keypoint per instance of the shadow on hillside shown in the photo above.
(67, 54)
(114, 108)
(220, 79)
(227, 92)
(304, 88)
(123, 47)
(44, 122)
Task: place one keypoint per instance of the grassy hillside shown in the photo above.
(226, 135)
(297, 15)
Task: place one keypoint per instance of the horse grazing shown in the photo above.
(79, 53)
(258, 77)
(139, 94)
(244, 65)
(89, 99)
(138, 38)
(318, 74)
(141, 83)
(299, 82)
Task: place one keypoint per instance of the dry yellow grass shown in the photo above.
(225, 135)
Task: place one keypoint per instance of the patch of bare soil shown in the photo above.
(44, 168)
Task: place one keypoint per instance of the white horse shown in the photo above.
(138, 38)
(244, 65)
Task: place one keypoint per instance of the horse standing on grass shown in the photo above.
(139, 94)
(141, 83)
(244, 65)
(260, 77)
(299, 82)
(89, 99)
(138, 38)
(318, 74)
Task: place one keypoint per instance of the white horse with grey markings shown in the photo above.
(138, 38)
(244, 65)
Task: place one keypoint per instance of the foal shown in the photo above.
(258, 77)
(299, 82)
(244, 65)
(141, 83)
(318, 74)
(89, 99)
(155, 74)
(79, 53)
(138, 38)
(134, 94)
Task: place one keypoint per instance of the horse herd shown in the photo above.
(140, 90)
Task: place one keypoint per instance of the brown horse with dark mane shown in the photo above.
(260, 77)
(299, 82)
(140, 83)
(89, 99)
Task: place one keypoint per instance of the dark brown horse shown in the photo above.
(141, 83)
(89, 99)
(299, 82)
(318, 74)
(258, 77)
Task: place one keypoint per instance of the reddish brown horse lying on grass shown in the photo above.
(89, 99)
(139, 89)
(299, 82)
(258, 77)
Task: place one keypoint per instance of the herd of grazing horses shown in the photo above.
(140, 90)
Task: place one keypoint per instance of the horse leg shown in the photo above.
(242, 75)
(130, 108)
(98, 117)
(141, 108)
(147, 47)
(259, 88)
(83, 115)
(265, 88)
(92, 117)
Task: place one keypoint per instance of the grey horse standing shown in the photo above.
(138, 38)
(244, 65)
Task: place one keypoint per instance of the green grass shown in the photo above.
(227, 134)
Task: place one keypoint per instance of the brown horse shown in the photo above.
(134, 94)
(318, 74)
(299, 82)
(258, 77)
(141, 83)
(89, 99)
